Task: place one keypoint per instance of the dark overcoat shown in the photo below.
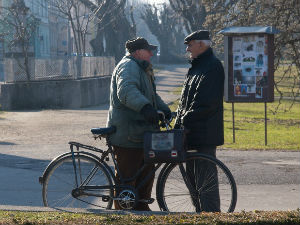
(200, 108)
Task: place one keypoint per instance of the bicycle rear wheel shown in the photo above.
(211, 186)
(63, 187)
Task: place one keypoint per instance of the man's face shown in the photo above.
(194, 48)
(144, 54)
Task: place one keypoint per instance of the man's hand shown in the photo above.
(168, 114)
(150, 114)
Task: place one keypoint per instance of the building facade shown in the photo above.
(39, 9)
(59, 31)
(41, 41)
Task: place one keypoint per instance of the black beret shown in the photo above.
(197, 35)
(139, 43)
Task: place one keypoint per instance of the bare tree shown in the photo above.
(195, 12)
(284, 15)
(19, 25)
(107, 17)
(113, 27)
(192, 11)
(79, 17)
(168, 30)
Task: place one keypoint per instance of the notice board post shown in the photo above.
(249, 66)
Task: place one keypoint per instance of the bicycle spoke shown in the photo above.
(60, 186)
(63, 180)
(210, 182)
(62, 200)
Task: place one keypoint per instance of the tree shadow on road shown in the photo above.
(19, 162)
(6, 143)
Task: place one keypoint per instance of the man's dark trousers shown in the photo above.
(198, 172)
(129, 161)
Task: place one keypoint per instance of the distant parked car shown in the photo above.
(87, 54)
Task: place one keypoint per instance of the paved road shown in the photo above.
(267, 180)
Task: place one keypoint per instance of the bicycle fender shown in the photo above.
(41, 178)
(54, 161)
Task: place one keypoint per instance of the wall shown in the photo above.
(59, 68)
(55, 94)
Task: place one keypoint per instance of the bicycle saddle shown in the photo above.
(104, 131)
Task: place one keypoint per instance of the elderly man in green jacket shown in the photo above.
(133, 110)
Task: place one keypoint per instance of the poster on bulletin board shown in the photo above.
(249, 66)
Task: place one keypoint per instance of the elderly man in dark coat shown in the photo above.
(200, 112)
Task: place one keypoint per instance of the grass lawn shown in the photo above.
(283, 127)
(257, 217)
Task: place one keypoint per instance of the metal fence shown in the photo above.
(1, 71)
(74, 67)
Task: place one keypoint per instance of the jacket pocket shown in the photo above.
(136, 130)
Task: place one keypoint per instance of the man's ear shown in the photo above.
(136, 54)
(200, 44)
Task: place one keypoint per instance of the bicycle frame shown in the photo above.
(109, 151)
(105, 155)
(82, 188)
(113, 188)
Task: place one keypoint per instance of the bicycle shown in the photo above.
(82, 179)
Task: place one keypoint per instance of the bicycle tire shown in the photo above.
(173, 195)
(60, 180)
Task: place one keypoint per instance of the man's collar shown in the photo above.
(142, 63)
(202, 56)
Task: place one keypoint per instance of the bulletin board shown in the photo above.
(249, 68)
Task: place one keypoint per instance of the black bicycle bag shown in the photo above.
(164, 146)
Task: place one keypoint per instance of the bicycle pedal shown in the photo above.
(105, 198)
(147, 201)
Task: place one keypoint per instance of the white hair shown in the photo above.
(127, 53)
(205, 42)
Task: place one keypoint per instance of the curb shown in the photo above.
(78, 210)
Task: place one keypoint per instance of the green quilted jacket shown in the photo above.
(132, 87)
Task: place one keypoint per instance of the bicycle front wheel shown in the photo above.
(202, 183)
(82, 183)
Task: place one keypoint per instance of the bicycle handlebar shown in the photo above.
(104, 132)
(164, 121)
